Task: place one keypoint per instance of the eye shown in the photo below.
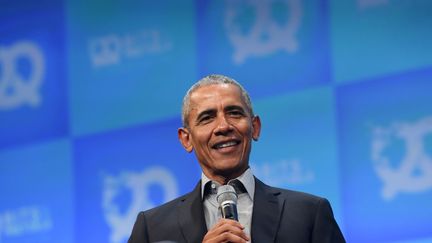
(236, 113)
(204, 119)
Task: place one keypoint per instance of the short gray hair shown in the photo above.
(212, 80)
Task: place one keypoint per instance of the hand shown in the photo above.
(226, 230)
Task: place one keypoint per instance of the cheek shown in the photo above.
(201, 138)
(247, 129)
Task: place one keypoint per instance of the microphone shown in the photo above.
(227, 199)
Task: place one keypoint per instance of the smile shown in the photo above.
(225, 144)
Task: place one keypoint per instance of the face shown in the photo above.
(220, 131)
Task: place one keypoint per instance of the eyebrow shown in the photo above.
(204, 113)
(234, 107)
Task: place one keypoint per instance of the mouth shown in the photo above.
(226, 144)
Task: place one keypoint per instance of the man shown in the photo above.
(219, 126)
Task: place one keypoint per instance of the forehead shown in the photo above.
(216, 94)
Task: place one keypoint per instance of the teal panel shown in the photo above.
(374, 38)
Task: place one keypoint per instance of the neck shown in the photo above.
(223, 179)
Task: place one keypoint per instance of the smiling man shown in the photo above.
(219, 126)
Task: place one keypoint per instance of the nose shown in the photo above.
(223, 126)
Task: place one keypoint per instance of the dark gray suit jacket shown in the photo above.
(279, 215)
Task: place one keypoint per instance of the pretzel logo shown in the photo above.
(263, 34)
(138, 186)
(414, 172)
(17, 87)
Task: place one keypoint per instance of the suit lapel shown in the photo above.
(191, 216)
(266, 213)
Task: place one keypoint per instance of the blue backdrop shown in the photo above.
(90, 99)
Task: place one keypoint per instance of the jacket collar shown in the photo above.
(266, 214)
(191, 216)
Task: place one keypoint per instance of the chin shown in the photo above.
(231, 170)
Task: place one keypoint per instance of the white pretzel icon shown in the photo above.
(404, 177)
(277, 37)
(138, 184)
(15, 88)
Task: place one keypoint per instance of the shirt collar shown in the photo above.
(246, 178)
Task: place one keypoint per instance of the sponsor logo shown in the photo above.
(269, 26)
(283, 172)
(112, 49)
(24, 221)
(414, 171)
(17, 86)
(138, 186)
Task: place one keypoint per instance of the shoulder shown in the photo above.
(302, 214)
(292, 198)
(153, 224)
(297, 196)
(165, 210)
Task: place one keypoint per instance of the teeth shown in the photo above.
(224, 145)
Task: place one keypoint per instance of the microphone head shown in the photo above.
(226, 193)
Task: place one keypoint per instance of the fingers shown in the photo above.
(226, 230)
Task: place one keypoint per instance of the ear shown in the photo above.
(185, 139)
(256, 127)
